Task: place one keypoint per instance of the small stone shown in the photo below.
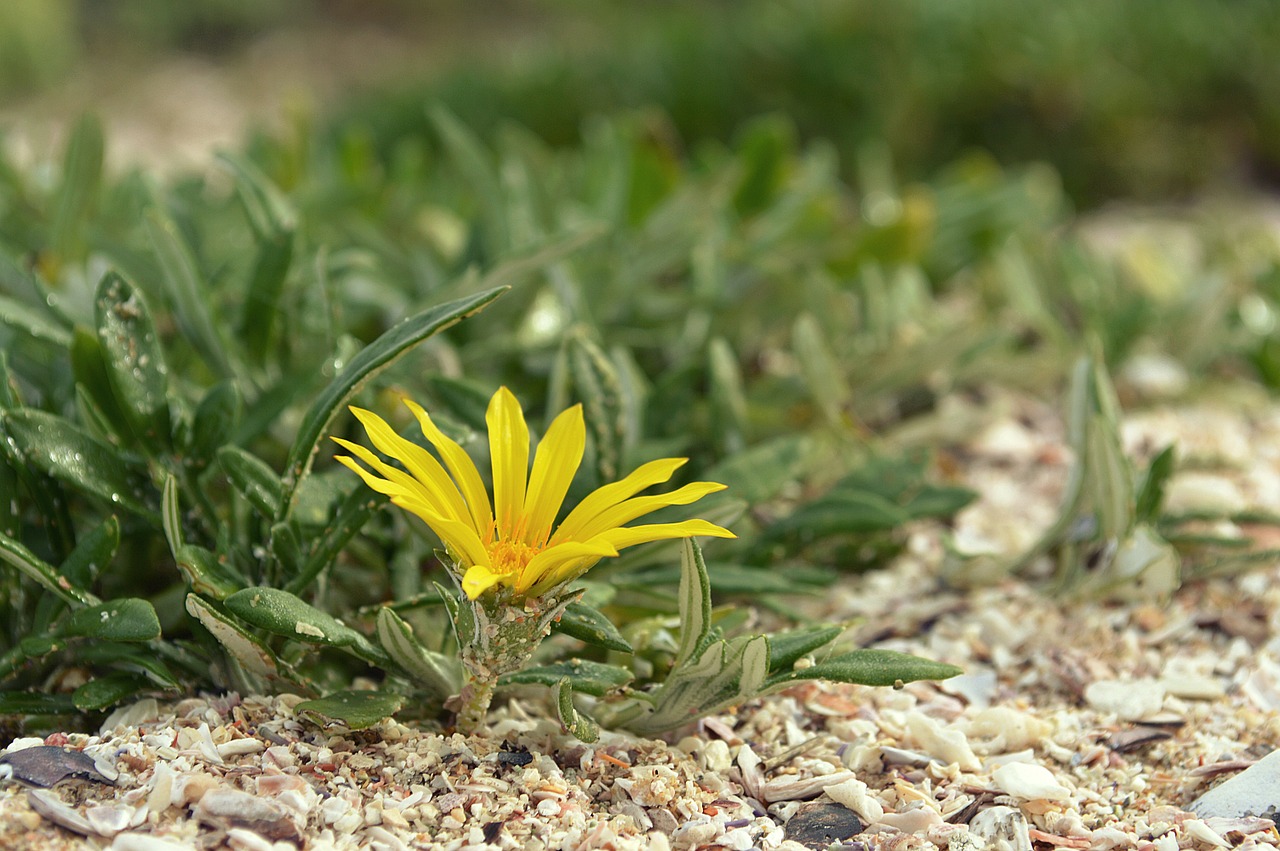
(1253, 792)
(227, 808)
(819, 825)
(45, 765)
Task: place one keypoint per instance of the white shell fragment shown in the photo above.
(1028, 782)
(1128, 700)
(1252, 792)
(1002, 829)
(949, 745)
(853, 794)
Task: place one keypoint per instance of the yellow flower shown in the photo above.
(514, 541)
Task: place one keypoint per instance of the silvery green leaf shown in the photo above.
(134, 359)
(600, 388)
(589, 624)
(439, 675)
(869, 667)
(30, 565)
(694, 603)
(187, 292)
(578, 725)
(758, 472)
(244, 648)
(728, 401)
(254, 480)
(595, 678)
(826, 381)
(1144, 567)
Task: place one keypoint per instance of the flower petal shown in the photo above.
(461, 466)
(458, 536)
(509, 450)
(604, 498)
(394, 481)
(477, 580)
(629, 536)
(625, 512)
(559, 563)
(419, 462)
(559, 455)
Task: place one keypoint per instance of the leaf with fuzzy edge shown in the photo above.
(868, 667)
(579, 725)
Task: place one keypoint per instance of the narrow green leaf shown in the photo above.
(1109, 479)
(760, 471)
(352, 514)
(253, 479)
(357, 710)
(600, 388)
(33, 323)
(578, 725)
(437, 674)
(171, 516)
(371, 360)
(70, 454)
(187, 291)
(473, 163)
(286, 546)
(262, 297)
(127, 619)
(213, 424)
(754, 668)
(728, 402)
(870, 668)
(589, 624)
(105, 692)
(28, 564)
(694, 605)
(786, 648)
(1150, 498)
(139, 659)
(81, 181)
(826, 381)
(205, 574)
(134, 359)
(25, 703)
(268, 210)
(89, 366)
(594, 678)
(93, 552)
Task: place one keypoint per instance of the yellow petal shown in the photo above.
(604, 498)
(419, 462)
(509, 450)
(631, 535)
(556, 564)
(395, 480)
(559, 455)
(477, 580)
(457, 535)
(625, 512)
(461, 466)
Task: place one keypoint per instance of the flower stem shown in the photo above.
(474, 702)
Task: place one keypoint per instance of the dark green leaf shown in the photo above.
(28, 564)
(93, 552)
(355, 709)
(124, 656)
(104, 692)
(89, 366)
(205, 573)
(578, 725)
(594, 678)
(371, 360)
(268, 210)
(69, 454)
(81, 180)
(127, 619)
(282, 613)
(352, 513)
(262, 298)
(134, 359)
(252, 478)
(213, 424)
(786, 647)
(32, 322)
(588, 624)
(26, 703)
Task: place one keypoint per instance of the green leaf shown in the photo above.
(69, 454)
(819, 366)
(93, 380)
(282, 613)
(787, 647)
(213, 424)
(33, 323)
(868, 667)
(594, 678)
(268, 210)
(171, 516)
(127, 619)
(244, 648)
(186, 290)
(758, 472)
(134, 359)
(93, 552)
(728, 402)
(205, 573)
(262, 297)
(468, 153)
(141, 660)
(600, 388)
(107, 691)
(439, 675)
(357, 710)
(31, 566)
(25, 703)
(81, 181)
(694, 603)
(589, 624)
(253, 479)
(1109, 479)
(1150, 498)
(371, 360)
(352, 514)
(578, 725)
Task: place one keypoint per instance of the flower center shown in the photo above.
(508, 557)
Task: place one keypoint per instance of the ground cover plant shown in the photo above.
(782, 313)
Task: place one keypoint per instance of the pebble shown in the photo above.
(819, 825)
(226, 808)
(45, 765)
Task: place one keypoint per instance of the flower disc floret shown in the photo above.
(513, 541)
